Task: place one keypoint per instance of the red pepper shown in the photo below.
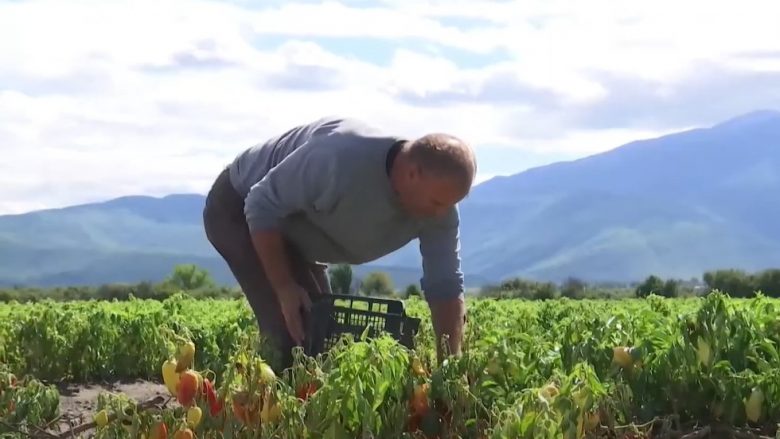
(306, 390)
(215, 406)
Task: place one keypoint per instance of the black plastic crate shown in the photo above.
(333, 315)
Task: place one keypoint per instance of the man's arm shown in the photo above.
(270, 248)
(302, 182)
(448, 317)
(442, 281)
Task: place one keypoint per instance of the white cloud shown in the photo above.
(101, 99)
(334, 19)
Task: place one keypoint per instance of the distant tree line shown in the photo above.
(190, 279)
(735, 283)
(572, 288)
(196, 282)
(374, 284)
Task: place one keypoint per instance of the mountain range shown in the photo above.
(674, 206)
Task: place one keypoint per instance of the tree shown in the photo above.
(735, 283)
(521, 288)
(768, 282)
(377, 283)
(341, 279)
(189, 277)
(113, 292)
(573, 288)
(544, 291)
(412, 290)
(670, 289)
(652, 285)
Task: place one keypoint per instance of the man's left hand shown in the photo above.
(449, 317)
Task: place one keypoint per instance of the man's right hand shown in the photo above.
(292, 297)
(294, 301)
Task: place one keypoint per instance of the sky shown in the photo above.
(100, 99)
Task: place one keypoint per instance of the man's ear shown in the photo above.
(416, 171)
(413, 171)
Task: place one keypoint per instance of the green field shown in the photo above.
(531, 369)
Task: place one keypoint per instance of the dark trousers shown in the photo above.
(227, 230)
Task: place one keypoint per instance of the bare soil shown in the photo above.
(78, 402)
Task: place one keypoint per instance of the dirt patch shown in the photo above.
(78, 402)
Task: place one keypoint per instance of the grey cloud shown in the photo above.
(713, 93)
(72, 126)
(21, 191)
(204, 57)
(188, 61)
(534, 125)
(500, 88)
(465, 23)
(773, 55)
(69, 128)
(185, 110)
(305, 78)
(79, 82)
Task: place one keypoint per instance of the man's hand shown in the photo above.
(292, 297)
(294, 301)
(448, 317)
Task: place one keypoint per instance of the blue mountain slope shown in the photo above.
(673, 206)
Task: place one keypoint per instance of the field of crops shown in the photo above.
(661, 368)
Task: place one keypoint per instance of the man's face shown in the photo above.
(430, 196)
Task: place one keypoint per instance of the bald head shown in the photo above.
(432, 174)
(444, 155)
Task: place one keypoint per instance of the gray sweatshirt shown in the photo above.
(325, 186)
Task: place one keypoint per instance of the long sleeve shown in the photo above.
(304, 181)
(440, 251)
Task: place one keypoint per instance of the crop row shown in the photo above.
(530, 369)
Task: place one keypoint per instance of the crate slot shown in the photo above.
(335, 315)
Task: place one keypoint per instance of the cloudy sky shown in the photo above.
(93, 95)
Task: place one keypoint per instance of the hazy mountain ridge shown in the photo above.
(674, 206)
